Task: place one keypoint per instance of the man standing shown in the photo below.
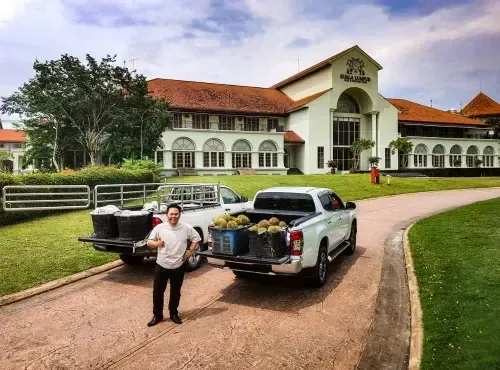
(171, 239)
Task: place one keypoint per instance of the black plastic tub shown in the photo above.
(105, 225)
(134, 227)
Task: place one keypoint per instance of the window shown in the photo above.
(183, 153)
(177, 120)
(242, 154)
(321, 157)
(438, 156)
(272, 124)
(200, 121)
(268, 156)
(387, 157)
(17, 145)
(345, 132)
(347, 104)
(229, 196)
(326, 202)
(455, 156)
(472, 153)
(159, 154)
(488, 156)
(290, 202)
(226, 123)
(420, 156)
(213, 153)
(251, 124)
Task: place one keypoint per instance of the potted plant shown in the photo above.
(332, 165)
(478, 162)
(373, 161)
(457, 163)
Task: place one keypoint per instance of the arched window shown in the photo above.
(159, 154)
(183, 153)
(213, 153)
(438, 156)
(268, 156)
(242, 154)
(347, 104)
(420, 156)
(488, 156)
(456, 156)
(472, 153)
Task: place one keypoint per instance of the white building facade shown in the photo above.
(318, 114)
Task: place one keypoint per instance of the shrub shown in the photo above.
(142, 164)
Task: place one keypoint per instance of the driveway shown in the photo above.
(264, 323)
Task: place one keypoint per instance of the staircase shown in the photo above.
(246, 171)
(187, 172)
(294, 171)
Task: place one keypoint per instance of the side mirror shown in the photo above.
(244, 199)
(350, 205)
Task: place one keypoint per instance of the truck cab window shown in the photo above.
(228, 196)
(326, 202)
(337, 203)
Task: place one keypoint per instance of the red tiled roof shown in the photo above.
(204, 96)
(292, 138)
(481, 105)
(414, 112)
(321, 65)
(12, 136)
(299, 103)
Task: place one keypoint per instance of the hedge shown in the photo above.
(90, 176)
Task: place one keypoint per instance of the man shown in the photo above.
(170, 238)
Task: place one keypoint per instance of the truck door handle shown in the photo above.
(228, 209)
(329, 222)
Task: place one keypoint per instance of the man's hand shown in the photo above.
(156, 243)
(187, 255)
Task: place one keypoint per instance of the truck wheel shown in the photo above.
(320, 271)
(194, 262)
(131, 260)
(352, 240)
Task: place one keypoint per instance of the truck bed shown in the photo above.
(245, 258)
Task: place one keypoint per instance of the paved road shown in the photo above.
(264, 323)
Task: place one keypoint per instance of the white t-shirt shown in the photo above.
(175, 241)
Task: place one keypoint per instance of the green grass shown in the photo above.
(38, 251)
(35, 252)
(457, 262)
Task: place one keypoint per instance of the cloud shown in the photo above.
(433, 52)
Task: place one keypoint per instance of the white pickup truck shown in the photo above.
(199, 205)
(321, 227)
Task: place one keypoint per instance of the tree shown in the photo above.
(358, 147)
(494, 122)
(94, 100)
(4, 156)
(404, 147)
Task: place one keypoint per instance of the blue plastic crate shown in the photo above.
(230, 241)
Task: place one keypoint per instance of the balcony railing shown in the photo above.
(237, 126)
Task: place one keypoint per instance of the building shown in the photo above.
(12, 142)
(298, 124)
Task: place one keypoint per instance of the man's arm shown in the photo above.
(195, 238)
(153, 241)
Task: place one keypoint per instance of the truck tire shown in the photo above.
(194, 262)
(320, 271)
(352, 240)
(131, 260)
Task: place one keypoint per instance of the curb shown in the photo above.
(417, 329)
(15, 297)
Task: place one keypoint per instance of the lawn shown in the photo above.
(457, 262)
(38, 251)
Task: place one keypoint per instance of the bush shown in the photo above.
(90, 176)
(143, 164)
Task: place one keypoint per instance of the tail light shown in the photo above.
(156, 221)
(296, 243)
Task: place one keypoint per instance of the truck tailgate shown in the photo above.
(113, 241)
(245, 258)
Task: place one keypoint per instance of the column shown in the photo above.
(374, 135)
(255, 160)
(228, 160)
(198, 159)
(281, 162)
(167, 159)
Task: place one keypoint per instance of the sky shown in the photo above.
(444, 50)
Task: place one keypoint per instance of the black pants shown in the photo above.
(162, 275)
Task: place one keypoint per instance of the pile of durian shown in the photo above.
(272, 226)
(227, 221)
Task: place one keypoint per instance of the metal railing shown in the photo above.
(237, 126)
(45, 197)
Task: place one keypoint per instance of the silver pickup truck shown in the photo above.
(320, 227)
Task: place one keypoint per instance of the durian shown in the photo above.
(222, 223)
(262, 230)
(263, 224)
(244, 219)
(232, 225)
(227, 217)
(282, 224)
(253, 228)
(273, 228)
(274, 221)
